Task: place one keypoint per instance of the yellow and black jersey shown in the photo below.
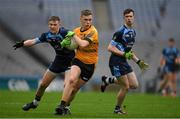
(89, 54)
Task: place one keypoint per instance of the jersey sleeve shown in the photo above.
(92, 36)
(89, 37)
(42, 38)
(115, 38)
(116, 41)
(64, 32)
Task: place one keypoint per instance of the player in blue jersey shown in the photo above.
(169, 62)
(121, 50)
(63, 58)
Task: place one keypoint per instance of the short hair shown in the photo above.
(86, 12)
(54, 18)
(127, 11)
(171, 40)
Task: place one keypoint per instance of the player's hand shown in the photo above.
(70, 34)
(142, 65)
(65, 42)
(18, 44)
(128, 55)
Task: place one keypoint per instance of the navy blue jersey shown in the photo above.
(170, 54)
(54, 40)
(123, 40)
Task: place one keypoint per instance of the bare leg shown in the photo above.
(46, 80)
(164, 82)
(78, 85)
(70, 84)
(173, 84)
(123, 80)
(133, 82)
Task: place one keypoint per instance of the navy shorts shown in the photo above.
(169, 69)
(87, 70)
(60, 64)
(121, 69)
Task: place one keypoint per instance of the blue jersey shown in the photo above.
(170, 54)
(123, 40)
(54, 40)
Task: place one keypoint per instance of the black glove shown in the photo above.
(18, 44)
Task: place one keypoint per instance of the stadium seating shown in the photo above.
(16, 62)
(68, 10)
(29, 20)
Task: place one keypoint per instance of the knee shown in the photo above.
(125, 88)
(135, 86)
(73, 83)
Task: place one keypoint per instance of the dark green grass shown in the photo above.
(89, 105)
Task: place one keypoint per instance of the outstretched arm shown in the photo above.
(29, 42)
(26, 43)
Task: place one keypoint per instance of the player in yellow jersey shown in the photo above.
(83, 64)
(87, 54)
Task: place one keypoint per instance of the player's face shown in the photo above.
(54, 26)
(86, 21)
(129, 19)
(171, 44)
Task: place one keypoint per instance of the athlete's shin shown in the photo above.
(41, 90)
(46, 80)
(42, 87)
(69, 91)
(121, 95)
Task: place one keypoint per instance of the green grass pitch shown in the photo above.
(89, 105)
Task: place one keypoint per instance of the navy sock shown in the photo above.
(38, 98)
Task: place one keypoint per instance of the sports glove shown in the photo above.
(128, 55)
(70, 34)
(18, 44)
(65, 42)
(142, 64)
